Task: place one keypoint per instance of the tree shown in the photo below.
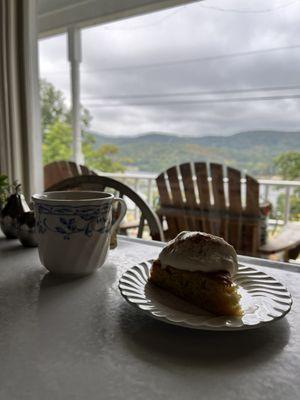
(103, 158)
(57, 145)
(287, 165)
(53, 107)
(57, 142)
(57, 133)
(294, 205)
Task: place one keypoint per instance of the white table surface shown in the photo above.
(79, 339)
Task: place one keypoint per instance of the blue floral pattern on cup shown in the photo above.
(70, 220)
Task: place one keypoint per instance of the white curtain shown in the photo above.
(20, 142)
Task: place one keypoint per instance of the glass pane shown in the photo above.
(208, 82)
(205, 82)
(55, 98)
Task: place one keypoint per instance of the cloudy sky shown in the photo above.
(177, 71)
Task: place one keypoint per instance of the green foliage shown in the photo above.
(57, 145)
(57, 142)
(249, 151)
(4, 188)
(53, 107)
(102, 158)
(288, 165)
(294, 205)
(57, 134)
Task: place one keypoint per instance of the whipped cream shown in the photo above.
(199, 251)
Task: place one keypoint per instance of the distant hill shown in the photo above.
(252, 151)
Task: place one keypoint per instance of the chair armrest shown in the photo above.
(287, 239)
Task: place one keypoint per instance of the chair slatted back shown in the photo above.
(218, 224)
(165, 199)
(177, 196)
(211, 198)
(190, 197)
(204, 196)
(252, 208)
(59, 170)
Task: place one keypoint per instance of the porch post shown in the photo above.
(74, 45)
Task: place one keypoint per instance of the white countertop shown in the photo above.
(80, 340)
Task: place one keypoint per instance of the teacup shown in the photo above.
(74, 229)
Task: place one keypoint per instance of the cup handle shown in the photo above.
(123, 210)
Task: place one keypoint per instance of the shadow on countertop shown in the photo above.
(159, 342)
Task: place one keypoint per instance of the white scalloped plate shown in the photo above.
(263, 300)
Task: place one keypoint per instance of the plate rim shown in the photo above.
(222, 328)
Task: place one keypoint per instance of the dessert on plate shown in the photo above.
(199, 268)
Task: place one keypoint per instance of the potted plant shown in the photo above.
(14, 208)
(4, 190)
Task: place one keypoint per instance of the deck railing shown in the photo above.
(270, 189)
(287, 187)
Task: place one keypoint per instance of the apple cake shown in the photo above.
(199, 268)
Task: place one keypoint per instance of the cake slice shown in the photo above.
(199, 268)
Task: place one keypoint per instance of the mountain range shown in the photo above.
(252, 151)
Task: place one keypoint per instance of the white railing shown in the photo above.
(270, 189)
(287, 186)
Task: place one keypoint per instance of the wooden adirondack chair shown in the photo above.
(287, 241)
(213, 199)
(60, 170)
(103, 183)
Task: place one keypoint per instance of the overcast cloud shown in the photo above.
(116, 55)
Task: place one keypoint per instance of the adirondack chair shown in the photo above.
(213, 199)
(103, 183)
(59, 170)
(287, 242)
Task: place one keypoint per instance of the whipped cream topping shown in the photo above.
(199, 251)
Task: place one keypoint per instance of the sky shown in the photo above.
(177, 71)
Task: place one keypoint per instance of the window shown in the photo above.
(204, 81)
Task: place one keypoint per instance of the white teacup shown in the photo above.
(74, 229)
